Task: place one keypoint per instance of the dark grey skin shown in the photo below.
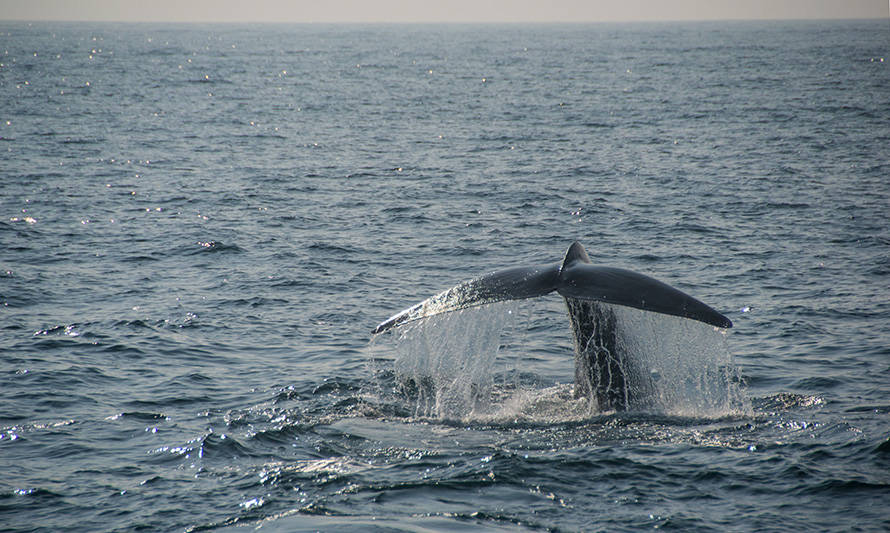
(603, 370)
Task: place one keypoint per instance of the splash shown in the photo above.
(466, 365)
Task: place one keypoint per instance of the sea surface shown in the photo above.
(200, 225)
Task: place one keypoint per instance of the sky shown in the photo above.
(400, 11)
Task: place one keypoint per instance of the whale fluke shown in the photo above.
(580, 279)
(511, 284)
(600, 368)
(575, 277)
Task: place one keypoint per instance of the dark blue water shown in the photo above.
(200, 226)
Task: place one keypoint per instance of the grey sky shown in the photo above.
(436, 10)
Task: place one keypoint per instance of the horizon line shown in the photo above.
(436, 22)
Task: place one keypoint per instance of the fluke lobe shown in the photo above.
(602, 368)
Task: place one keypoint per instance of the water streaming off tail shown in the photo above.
(455, 366)
(445, 363)
(672, 365)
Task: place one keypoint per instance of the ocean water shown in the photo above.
(200, 225)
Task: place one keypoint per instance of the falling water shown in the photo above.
(445, 363)
(671, 365)
(454, 366)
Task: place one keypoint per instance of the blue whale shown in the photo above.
(602, 368)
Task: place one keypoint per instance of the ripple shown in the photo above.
(274, 222)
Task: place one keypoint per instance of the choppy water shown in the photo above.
(200, 226)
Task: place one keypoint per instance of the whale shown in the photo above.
(605, 371)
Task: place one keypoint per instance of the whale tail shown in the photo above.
(604, 371)
(582, 280)
(575, 277)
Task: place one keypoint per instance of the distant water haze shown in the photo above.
(400, 11)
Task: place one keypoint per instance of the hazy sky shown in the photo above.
(436, 10)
